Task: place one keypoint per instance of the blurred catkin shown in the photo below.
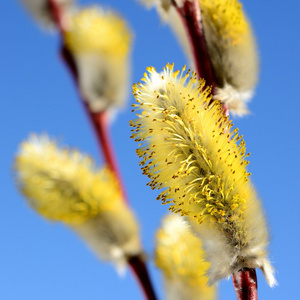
(231, 47)
(100, 42)
(64, 185)
(180, 256)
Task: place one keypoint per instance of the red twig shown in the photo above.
(100, 124)
(138, 267)
(191, 17)
(244, 281)
(56, 14)
(99, 120)
(245, 284)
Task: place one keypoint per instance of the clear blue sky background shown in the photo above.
(41, 260)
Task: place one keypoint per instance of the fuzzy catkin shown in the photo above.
(64, 185)
(100, 42)
(233, 52)
(231, 47)
(192, 155)
(180, 256)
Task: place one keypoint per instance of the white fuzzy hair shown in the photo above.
(113, 236)
(227, 258)
(103, 84)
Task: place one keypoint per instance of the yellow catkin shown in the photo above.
(228, 19)
(92, 30)
(100, 43)
(191, 153)
(232, 50)
(180, 256)
(188, 149)
(63, 185)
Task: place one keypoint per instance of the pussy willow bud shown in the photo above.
(233, 52)
(180, 256)
(63, 185)
(231, 47)
(190, 152)
(100, 42)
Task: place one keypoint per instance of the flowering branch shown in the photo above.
(100, 124)
(244, 280)
(99, 120)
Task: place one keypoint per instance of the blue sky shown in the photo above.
(42, 260)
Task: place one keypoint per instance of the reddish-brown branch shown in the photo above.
(100, 124)
(244, 281)
(138, 267)
(245, 284)
(191, 17)
(69, 61)
(56, 14)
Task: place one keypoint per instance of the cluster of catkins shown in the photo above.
(187, 146)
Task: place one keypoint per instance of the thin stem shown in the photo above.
(244, 281)
(191, 17)
(99, 121)
(138, 267)
(56, 14)
(245, 284)
(100, 124)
